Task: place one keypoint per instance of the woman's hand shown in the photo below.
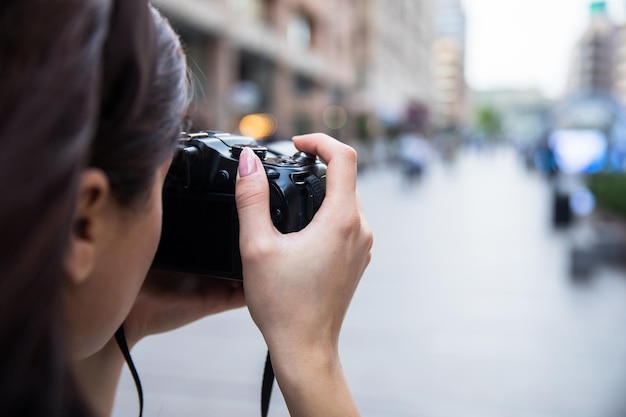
(169, 300)
(298, 286)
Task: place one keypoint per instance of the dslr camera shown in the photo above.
(200, 232)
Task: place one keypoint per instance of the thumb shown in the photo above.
(252, 198)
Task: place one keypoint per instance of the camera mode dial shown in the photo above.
(304, 158)
(260, 151)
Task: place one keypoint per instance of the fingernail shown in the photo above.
(247, 162)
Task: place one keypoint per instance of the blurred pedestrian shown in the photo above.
(416, 153)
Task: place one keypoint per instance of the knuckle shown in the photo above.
(248, 195)
(349, 154)
(255, 250)
(351, 223)
(369, 239)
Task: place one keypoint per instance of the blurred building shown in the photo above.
(448, 60)
(523, 113)
(288, 60)
(594, 58)
(619, 70)
(305, 65)
(394, 79)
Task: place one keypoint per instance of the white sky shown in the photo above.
(525, 43)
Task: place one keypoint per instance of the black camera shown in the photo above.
(200, 232)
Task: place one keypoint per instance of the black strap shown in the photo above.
(266, 389)
(268, 383)
(120, 338)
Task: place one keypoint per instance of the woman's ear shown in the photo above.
(87, 226)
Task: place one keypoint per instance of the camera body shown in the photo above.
(200, 232)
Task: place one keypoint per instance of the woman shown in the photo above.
(93, 94)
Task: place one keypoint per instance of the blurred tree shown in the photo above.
(489, 121)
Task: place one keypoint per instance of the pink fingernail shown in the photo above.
(247, 162)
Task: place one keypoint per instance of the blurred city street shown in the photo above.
(467, 309)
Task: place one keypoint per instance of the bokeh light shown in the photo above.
(335, 117)
(258, 125)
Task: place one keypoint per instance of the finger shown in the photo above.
(252, 200)
(210, 296)
(365, 226)
(341, 160)
(186, 288)
(221, 295)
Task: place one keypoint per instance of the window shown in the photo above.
(301, 125)
(196, 46)
(302, 85)
(257, 72)
(299, 31)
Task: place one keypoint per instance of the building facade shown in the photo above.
(305, 65)
(594, 58)
(619, 69)
(393, 64)
(448, 60)
(286, 59)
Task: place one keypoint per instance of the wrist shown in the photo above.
(293, 360)
(296, 366)
(313, 382)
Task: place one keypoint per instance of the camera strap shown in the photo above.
(268, 383)
(120, 338)
(266, 388)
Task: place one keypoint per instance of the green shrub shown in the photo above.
(609, 190)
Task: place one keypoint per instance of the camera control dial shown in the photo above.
(304, 158)
(260, 151)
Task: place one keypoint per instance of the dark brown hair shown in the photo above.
(137, 132)
(80, 86)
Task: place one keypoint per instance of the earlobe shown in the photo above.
(80, 256)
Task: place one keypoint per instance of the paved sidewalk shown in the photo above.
(466, 310)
